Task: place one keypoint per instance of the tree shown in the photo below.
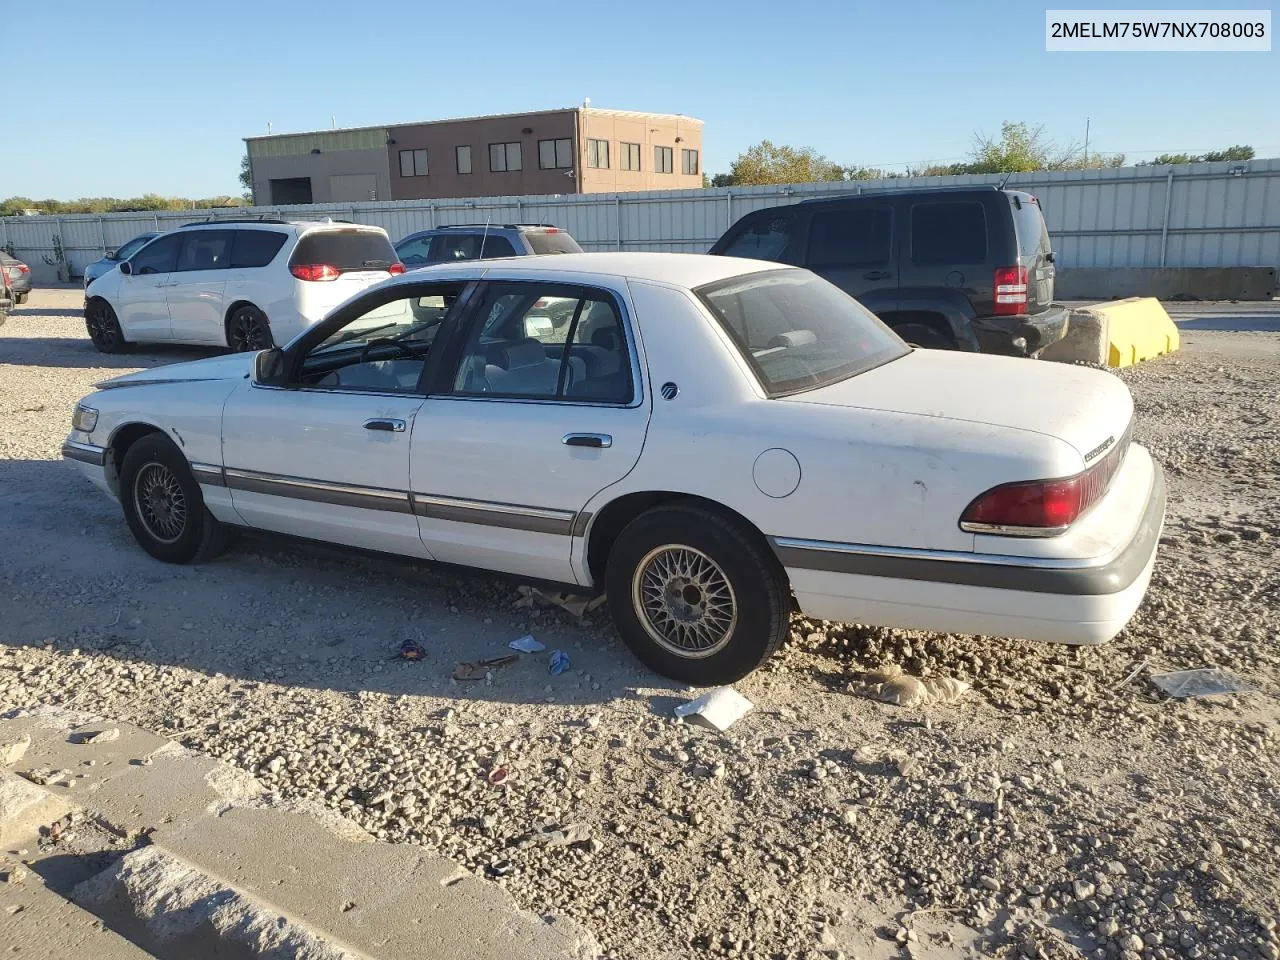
(246, 177)
(1238, 152)
(1024, 149)
(769, 163)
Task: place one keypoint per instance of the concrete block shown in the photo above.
(1167, 283)
(24, 809)
(1118, 333)
(1085, 342)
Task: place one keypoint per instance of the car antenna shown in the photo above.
(485, 236)
(1005, 180)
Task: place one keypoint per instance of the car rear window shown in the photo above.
(256, 248)
(1033, 236)
(761, 238)
(548, 242)
(952, 231)
(348, 250)
(798, 331)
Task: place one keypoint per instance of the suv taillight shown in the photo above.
(314, 271)
(396, 269)
(1039, 508)
(1010, 290)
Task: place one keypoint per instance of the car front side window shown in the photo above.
(159, 256)
(546, 342)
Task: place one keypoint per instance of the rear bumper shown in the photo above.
(1037, 330)
(1036, 598)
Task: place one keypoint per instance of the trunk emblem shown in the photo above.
(1099, 449)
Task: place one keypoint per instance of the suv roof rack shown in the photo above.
(492, 226)
(957, 188)
(263, 219)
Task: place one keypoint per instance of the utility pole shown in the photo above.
(1086, 139)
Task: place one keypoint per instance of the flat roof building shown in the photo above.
(574, 150)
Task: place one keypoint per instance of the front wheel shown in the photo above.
(695, 596)
(21, 297)
(248, 330)
(163, 504)
(104, 327)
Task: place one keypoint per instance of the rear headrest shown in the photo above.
(606, 337)
(793, 338)
(524, 354)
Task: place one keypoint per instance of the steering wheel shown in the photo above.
(401, 347)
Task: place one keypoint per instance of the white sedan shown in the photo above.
(712, 441)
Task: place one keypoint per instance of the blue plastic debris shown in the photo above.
(558, 663)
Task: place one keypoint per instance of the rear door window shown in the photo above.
(763, 238)
(857, 237)
(256, 248)
(159, 256)
(550, 241)
(205, 250)
(347, 250)
(948, 232)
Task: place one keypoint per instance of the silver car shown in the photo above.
(108, 263)
(19, 275)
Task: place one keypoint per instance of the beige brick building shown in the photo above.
(577, 150)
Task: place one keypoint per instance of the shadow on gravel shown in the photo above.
(66, 352)
(281, 611)
(1242, 324)
(20, 313)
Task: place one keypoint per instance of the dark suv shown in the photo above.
(964, 268)
(480, 241)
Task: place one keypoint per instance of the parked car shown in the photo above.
(707, 438)
(482, 241)
(6, 297)
(19, 276)
(115, 257)
(243, 284)
(961, 269)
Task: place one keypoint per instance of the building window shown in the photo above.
(662, 159)
(464, 159)
(630, 156)
(598, 154)
(555, 154)
(504, 157)
(413, 163)
(689, 162)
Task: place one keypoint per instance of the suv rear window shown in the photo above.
(1033, 237)
(763, 238)
(798, 331)
(347, 250)
(557, 242)
(951, 231)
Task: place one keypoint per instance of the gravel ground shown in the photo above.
(1059, 808)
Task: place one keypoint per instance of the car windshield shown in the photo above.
(132, 247)
(798, 331)
(414, 322)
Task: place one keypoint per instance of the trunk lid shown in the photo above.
(1088, 409)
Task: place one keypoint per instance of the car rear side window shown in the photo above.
(256, 248)
(953, 231)
(495, 246)
(159, 256)
(799, 332)
(347, 250)
(763, 238)
(205, 250)
(858, 237)
(551, 242)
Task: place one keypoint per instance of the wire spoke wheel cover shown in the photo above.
(684, 601)
(248, 332)
(160, 502)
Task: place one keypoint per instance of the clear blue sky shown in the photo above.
(148, 96)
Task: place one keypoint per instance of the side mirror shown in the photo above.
(125, 267)
(268, 366)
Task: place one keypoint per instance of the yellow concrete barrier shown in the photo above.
(1137, 329)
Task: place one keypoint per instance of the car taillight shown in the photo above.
(396, 269)
(23, 268)
(1010, 290)
(314, 271)
(1039, 508)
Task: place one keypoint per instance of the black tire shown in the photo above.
(248, 330)
(645, 561)
(104, 327)
(923, 335)
(163, 505)
(20, 297)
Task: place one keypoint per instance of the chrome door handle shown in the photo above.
(385, 425)
(596, 440)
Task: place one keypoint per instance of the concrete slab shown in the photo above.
(24, 809)
(46, 926)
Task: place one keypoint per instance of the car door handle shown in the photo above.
(385, 425)
(877, 275)
(596, 440)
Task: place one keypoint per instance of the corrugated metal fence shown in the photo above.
(1195, 215)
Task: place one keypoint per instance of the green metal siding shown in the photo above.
(291, 145)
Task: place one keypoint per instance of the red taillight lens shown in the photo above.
(314, 271)
(23, 268)
(1038, 505)
(1010, 290)
(396, 269)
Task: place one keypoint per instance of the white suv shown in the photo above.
(244, 284)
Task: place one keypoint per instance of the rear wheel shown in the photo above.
(104, 327)
(248, 330)
(20, 297)
(163, 504)
(695, 596)
(923, 335)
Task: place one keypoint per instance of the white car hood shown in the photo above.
(1081, 406)
(233, 366)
